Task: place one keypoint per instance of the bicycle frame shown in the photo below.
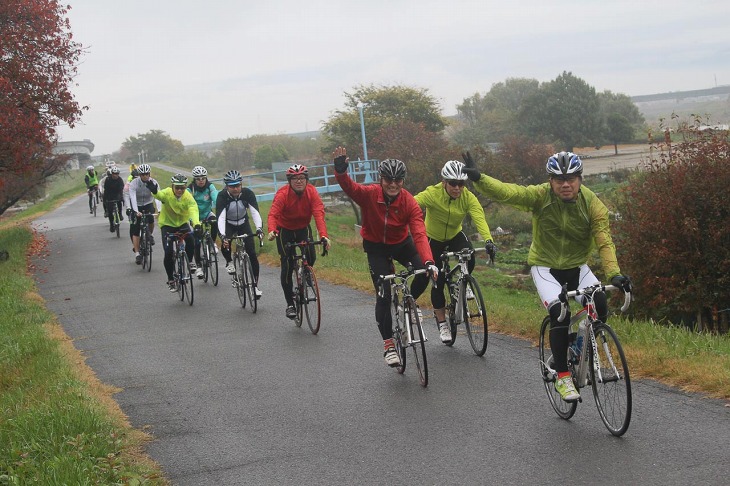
(460, 270)
(399, 291)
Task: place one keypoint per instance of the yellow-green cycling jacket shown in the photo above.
(563, 234)
(175, 211)
(444, 215)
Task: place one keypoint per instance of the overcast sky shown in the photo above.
(207, 71)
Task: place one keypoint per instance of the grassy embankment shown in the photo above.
(58, 423)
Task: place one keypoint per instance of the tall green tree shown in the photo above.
(564, 112)
(157, 145)
(618, 129)
(621, 118)
(384, 106)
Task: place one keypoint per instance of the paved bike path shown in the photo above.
(236, 398)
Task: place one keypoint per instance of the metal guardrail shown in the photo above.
(265, 184)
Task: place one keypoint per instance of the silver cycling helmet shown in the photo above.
(392, 169)
(232, 178)
(564, 164)
(144, 169)
(452, 171)
(200, 171)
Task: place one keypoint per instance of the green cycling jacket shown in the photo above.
(563, 234)
(444, 215)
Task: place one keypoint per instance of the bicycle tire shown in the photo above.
(212, 261)
(475, 316)
(298, 296)
(93, 205)
(399, 337)
(148, 249)
(612, 393)
(204, 259)
(238, 279)
(451, 315)
(418, 339)
(250, 284)
(565, 410)
(116, 227)
(310, 301)
(186, 279)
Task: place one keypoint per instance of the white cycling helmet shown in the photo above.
(452, 171)
(200, 171)
(564, 164)
(91, 167)
(144, 169)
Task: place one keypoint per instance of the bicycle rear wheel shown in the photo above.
(610, 380)
(186, 280)
(311, 302)
(475, 315)
(238, 279)
(565, 410)
(418, 339)
(249, 282)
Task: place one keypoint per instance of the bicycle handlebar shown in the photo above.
(302, 244)
(244, 237)
(465, 252)
(565, 295)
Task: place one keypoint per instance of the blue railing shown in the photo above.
(265, 184)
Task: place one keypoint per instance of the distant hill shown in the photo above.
(711, 103)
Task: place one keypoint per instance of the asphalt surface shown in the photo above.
(238, 398)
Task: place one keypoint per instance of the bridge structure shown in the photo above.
(78, 150)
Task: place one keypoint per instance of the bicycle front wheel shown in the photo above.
(475, 315)
(250, 284)
(418, 339)
(610, 380)
(186, 279)
(238, 279)
(148, 250)
(93, 205)
(565, 410)
(310, 302)
(212, 270)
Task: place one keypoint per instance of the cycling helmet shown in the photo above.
(297, 169)
(452, 171)
(392, 169)
(144, 169)
(90, 168)
(232, 178)
(564, 164)
(132, 167)
(114, 170)
(179, 180)
(200, 171)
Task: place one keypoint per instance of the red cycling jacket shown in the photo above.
(294, 211)
(388, 223)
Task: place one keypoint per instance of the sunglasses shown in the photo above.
(562, 179)
(389, 180)
(299, 178)
(453, 183)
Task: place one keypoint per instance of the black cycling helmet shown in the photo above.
(392, 169)
(232, 178)
(564, 164)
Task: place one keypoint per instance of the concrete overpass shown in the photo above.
(80, 152)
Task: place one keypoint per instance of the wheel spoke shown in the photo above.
(610, 380)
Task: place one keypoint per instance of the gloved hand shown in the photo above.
(491, 249)
(152, 186)
(471, 173)
(326, 242)
(468, 161)
(433, 270)
(623, 282)
(272, 235)
(198, 230)
(259, 232)
(341, 163)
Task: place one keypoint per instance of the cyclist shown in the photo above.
(179, 209)
(392, 229)
(205, 195)
(447, 204)
(91, 179)
(142, 202)
(235, 208)
(288, 222)
(568, 219)
(113, 192)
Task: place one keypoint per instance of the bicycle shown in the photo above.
(145, 238)
(114, 208)
(306, 288)
(181, 273)
(466, 304)
(407, 329)
(94, 192)
(243, 279)
(208, 253)
(595, 357)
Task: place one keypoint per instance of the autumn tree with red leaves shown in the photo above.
(674, 232)
(38, 60)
